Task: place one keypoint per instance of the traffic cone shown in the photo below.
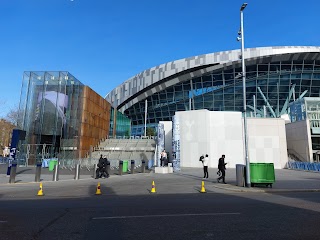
(153, 187)
(203, 190)
(40, 192)
(98, 191)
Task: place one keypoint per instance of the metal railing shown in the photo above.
(89, 163)
(295, 155)
(131, 137)
(4, 160)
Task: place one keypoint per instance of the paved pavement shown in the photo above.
(187, 181)
(286, 180)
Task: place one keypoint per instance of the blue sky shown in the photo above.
(104, 42)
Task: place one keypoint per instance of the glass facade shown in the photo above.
(271, 85)
(49, 113)
(297, 110)
(120, 125)
(138, 130)
(308, 109)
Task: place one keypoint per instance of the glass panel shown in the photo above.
(274, 68)
(306, 82)
(286, 68)
(308, 67)
(297, 67)
(306, 75)
(262, 82)
(262, 68)
(315, 91)
(229, 90)
(317, 68)
(274, 82)
(315, 82)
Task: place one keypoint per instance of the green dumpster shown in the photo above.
(262, 173)
(52, 163)
(125, 166)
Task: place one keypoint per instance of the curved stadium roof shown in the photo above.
(158, 78)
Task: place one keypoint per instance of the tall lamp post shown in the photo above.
(241, 32)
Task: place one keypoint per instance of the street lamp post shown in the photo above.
(241, 32)
(145, 117)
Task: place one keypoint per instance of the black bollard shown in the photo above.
(108, 168)
(132, 166)
(9, 169)
(38, 172)
(77, 172)
(13, 172)
(120, 167)
(143, 166)
(56, 173)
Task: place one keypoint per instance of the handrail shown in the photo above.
(296, 155)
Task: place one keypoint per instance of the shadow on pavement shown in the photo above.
(24, 170)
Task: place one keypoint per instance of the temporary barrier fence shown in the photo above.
(305, 166)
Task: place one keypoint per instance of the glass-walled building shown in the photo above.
(49, 113)
(60, 117)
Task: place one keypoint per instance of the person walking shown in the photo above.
(102, 168)
(222, 169)
(205, 162)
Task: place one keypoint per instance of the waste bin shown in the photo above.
(262, 173)
(52, 163)
(241, 175)
(125, 166)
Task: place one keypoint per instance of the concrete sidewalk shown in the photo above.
(286, 180)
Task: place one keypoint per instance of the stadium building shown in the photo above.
(275, 76)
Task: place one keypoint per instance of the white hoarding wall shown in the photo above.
(267, 141)
(212, 133)
(176, 144)
(217, 133)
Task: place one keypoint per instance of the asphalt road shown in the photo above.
(164, 216)
(126, 209)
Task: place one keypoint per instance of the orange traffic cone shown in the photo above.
(203, 190)
(153, 187)
(98, 191)
(40, 192)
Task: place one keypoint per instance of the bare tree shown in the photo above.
(5, 133)
(13, 115)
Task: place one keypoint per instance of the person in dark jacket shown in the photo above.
(222, 169)
(102, 168)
